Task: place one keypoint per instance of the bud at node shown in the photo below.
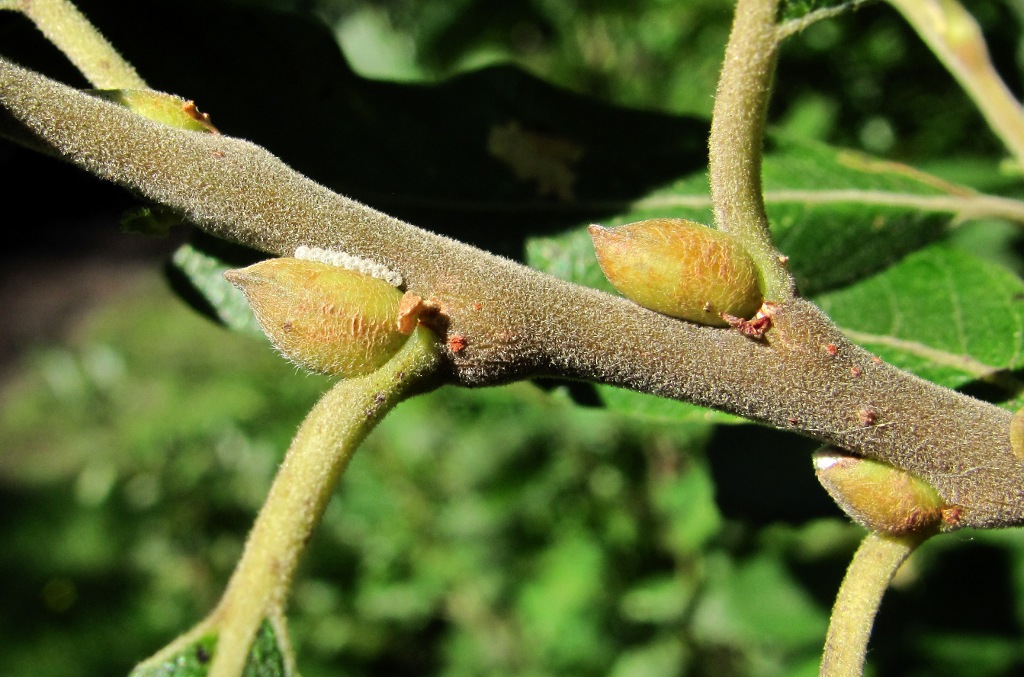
(168, 109)
(324, 318)
(680, 268)
(879, 496)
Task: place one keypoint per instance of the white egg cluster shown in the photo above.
(350, 262)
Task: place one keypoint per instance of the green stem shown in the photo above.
(737, 136)
(954, 36)
(874, 564)
(318, 456)
(85, 47)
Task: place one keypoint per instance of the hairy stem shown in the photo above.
(954, 36)
(81, 43)
(316, 459)
(874, 564)
(737, 136)
(514, 322)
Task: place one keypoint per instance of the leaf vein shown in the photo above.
(964, 363)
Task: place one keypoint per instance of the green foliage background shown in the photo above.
(521, 530)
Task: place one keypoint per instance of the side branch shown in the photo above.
(90, 52)
(319, 454)
(877, 560)
(513, 322)
(737, 135)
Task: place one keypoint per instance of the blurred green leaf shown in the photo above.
(267, 655)
(757, 602)
(192, 661)
(795, 9)
(562, 599)
(941, 313)
(658, 600)
(664, 657)
(597, 47)
(686, 501)
(841, 215)
(153, 220)
(659, 408)
(974, 656)
(198, 274)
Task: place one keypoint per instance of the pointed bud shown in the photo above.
(322, 317)
(879, 496)
(168, 109)
(680, 268)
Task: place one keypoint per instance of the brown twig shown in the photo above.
(518, 323)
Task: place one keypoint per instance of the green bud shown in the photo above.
(324, 318)
(680, 268)
(879, 496)
(169, 109)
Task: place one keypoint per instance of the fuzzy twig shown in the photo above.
(737, 136)
(90, 52)
(513, 322)
(874, 564)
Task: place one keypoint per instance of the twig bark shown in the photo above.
(517, 323)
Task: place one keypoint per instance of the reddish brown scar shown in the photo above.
(456, 343)
(832, 349)
(867, 417)
(755, 328)
(855, 371)
(951, 514)
(412, 309)
(202, 118)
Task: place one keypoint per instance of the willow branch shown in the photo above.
(517, 323)
(737, 137)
